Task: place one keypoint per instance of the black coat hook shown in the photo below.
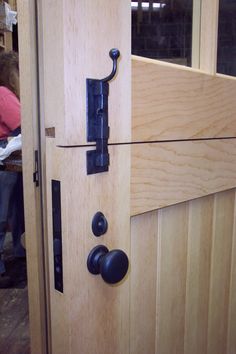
(114, 55)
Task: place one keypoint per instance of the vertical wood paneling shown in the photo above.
(198, 275)
(143, 283)
(183, 286)
(220, 272)
(172, 268)
(232, 301)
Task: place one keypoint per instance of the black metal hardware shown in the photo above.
(112, 266)
(99, 224)
(97, 119)
(36, 168)
(57, 235)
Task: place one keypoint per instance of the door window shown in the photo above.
(226, 63)
(162, 29)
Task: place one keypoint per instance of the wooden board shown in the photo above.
(220, 272)
(143, 281)
(167, 173)
(232, 298)
(80, 40)
(170, 102)
(181, 299)
(90, 316)
(200, 229)
(32, 198)
(209, 35)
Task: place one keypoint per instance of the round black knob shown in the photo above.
(99, 224)
(112, 265)
(114, 53)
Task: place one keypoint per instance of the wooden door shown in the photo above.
(168, 197)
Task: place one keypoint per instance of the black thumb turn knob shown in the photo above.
(112, 265)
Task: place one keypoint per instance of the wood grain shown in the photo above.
(232, 298)
(170, 102)
(80, 34)
(32, 202)
(209, 35)
(143, 283)
(167, 173)
(220, 272)
(196, 34)
(200, 228)
(183, 275)
(90, 316)
(171, 283)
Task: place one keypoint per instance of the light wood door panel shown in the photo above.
(178, 296)
(172, 269)
(170, 102)
(80, 34)
(90, 316)
(220, 272)
(143, 283)
(191, 301)
(168, 173)
(232, 299)
(168, 196)
(198, 274)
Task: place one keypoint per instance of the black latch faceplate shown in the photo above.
(97, 119)
(57, 235)
(36, 168)
(97, 125)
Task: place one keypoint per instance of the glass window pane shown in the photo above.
(226, 56)
(162, 29)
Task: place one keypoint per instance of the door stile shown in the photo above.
(196, 31)
(76, 39)
(209, 35)
(32, 194)
(205, 35)
(88, 316)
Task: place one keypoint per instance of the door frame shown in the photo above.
(31, 46)
(34, 201)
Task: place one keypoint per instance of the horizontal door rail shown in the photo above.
(172, 102)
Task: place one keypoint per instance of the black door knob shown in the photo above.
(99, 224)
(112, 265)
